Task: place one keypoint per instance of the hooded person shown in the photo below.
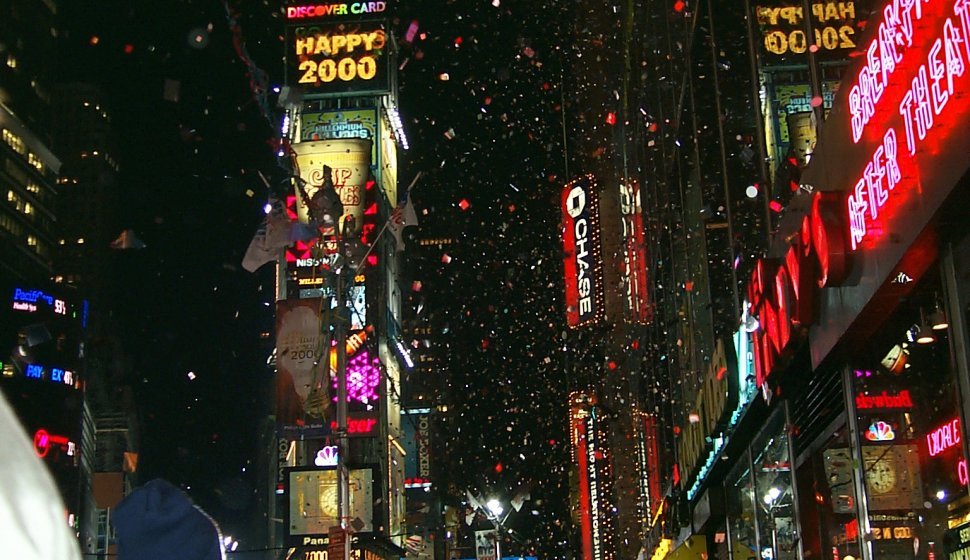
(32, 514)
(158, 521)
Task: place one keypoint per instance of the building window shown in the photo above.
(35, 161)
(14, 142)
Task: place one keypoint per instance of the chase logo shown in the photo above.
(576, 202)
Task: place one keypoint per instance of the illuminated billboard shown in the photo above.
(592, 461)
(334, 125)
(313, 510)
(338, 59)
(309, 11)
(416, 428)
(349, 161)
(582, 260)
(634, 270)
(836, 27)
(298, 350)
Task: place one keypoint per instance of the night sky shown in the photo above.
(481, 102)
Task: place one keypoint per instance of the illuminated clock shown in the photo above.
(328, 500)
(881, 477)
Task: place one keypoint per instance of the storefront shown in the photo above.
(862, 307)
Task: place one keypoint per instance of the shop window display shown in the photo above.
(741, 512)
(828, 497)
(774, 491)
(907, 406)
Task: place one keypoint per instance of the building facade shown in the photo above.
(851, 348)
(339, 292)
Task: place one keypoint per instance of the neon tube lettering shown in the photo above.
(871, 192)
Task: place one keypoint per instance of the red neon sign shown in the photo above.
(585, 509)
(43, 441)
(884, 400)
(914, 67)
(582, 263)
(781, 292)
(943, 437)
(357, 426)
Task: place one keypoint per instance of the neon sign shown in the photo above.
(634, 255)
(880, 431)
(943, 437)
(55, 375)
(357, 426)
(27, 300)
(343, 9)
(327, 457)
(884, 400)
(926, 42)
(581, 257)
(781, 292)
(363, 378)
(44, 442)
(872, 190)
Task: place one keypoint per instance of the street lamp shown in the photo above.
(495, 507)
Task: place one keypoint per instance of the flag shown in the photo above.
(278, 225)
(258, 253)
(402, 217)
(521, 496)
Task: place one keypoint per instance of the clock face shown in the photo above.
(881, 477)
(328, 500)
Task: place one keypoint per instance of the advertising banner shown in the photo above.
(416, 425)
(582, 259)
(300, 387)
(634, 271)
(337, 125)
(338, 59)
(349, 161)
(836, 26)
(308, 10)
(313, 511)
(486, 545)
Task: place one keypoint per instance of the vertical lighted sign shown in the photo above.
(582, 260)
(905, 102)
(594, 479)
(634, 252)
(578, 433)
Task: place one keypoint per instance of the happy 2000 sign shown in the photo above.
(338, 59)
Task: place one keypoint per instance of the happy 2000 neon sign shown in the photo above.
(920, 82)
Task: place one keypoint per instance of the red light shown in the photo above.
(129, 48)
(611, 118)
(776, 206)
(498, 467)
(679, 6)
(943, 437)
(464, 204)
(94, 40)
